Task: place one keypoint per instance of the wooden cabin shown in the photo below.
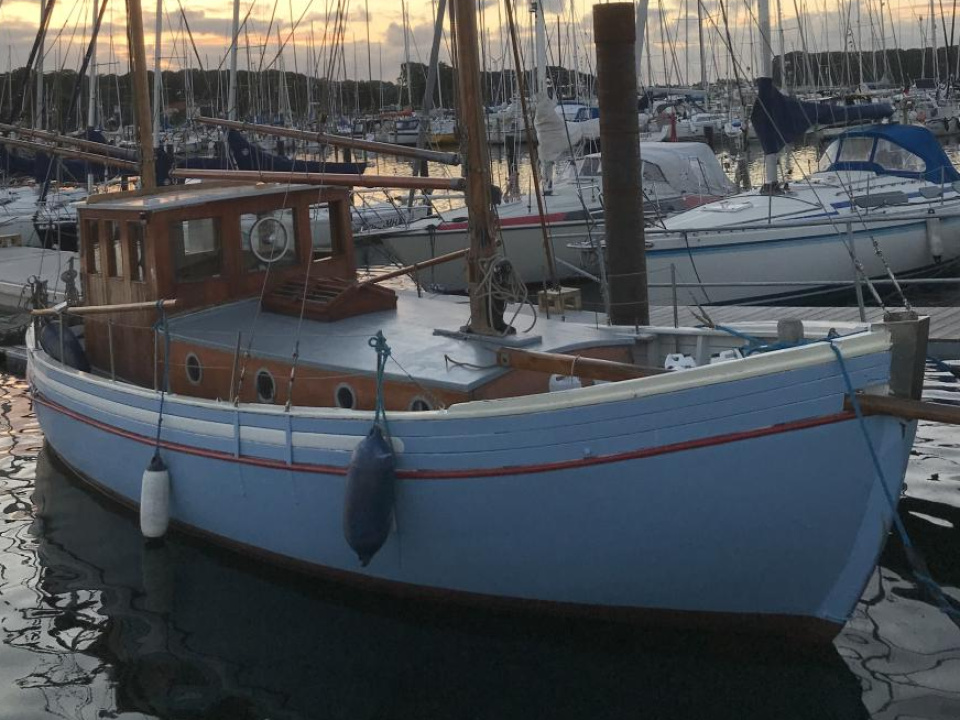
(207, 245)
(253, 299)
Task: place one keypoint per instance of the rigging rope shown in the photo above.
(379, 343)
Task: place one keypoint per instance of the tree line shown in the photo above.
(319, 101)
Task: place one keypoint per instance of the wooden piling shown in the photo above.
(615, 33)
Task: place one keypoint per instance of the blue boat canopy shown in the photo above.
(780, 120)
(905, 150)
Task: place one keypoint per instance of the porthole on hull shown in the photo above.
(194, 369)
(266, 387)
(345, 397)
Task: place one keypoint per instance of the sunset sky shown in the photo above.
(209, 21)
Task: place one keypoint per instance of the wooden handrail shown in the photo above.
(407, 269)
(572, 365)
(104, 309)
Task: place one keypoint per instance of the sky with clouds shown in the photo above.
(672, 29)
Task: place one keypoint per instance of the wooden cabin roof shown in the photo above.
(184, 196)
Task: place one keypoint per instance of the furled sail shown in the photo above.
(249, 157)
(780, 120)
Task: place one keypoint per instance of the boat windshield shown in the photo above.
(651, 172)
(855, 149)
(829, 156)
(892, 157)
(590, 167)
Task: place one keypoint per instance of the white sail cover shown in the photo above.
(551, 129)
(689, 167)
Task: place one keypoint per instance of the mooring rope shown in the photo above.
(379, 343)
(916, 560)
(161, 326)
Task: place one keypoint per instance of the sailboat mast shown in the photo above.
(934, 65)
(541, 46)
(138, 68)
(38, 112)
(476, 158)
(157, 78)
(704, 80)
(92, 87)
(780, 42)
(232, 86)
(407, 80)
(766, 51)
(766, 71)
(641, 25)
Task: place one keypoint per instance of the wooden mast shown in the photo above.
(476, 161)
(138, 66)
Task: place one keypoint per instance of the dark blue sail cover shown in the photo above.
(780, 120)
(250, 157)
(44, 168)
(13, 164)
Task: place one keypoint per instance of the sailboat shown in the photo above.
(288, 410)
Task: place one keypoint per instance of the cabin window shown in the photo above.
(197, 249)
(194, 369)
(829, 156)
(855, 149)
(651, 172)
(590, 167)
(91, 247)
(269, 238)
(890, 156)
(420, 404)
(135, 240)
(266, 387)
(114, 250)
(345, 396)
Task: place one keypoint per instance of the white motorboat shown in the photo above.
(676, 176)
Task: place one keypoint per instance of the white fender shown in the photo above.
(934, 238)
(155, 499)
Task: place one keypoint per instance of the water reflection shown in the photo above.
(189, 632)
(96, 624)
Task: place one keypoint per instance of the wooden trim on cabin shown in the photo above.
(316, 387)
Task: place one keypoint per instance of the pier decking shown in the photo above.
(944, 321)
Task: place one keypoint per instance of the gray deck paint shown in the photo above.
(343, 346)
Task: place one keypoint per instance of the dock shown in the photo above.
(944, 341)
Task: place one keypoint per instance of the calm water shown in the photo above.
(95, 625)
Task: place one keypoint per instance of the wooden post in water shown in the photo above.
(476, 160)
(138, 63)
(615, 33)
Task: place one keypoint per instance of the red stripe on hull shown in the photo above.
(473, 472)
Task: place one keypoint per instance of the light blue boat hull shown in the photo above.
(755, 496)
